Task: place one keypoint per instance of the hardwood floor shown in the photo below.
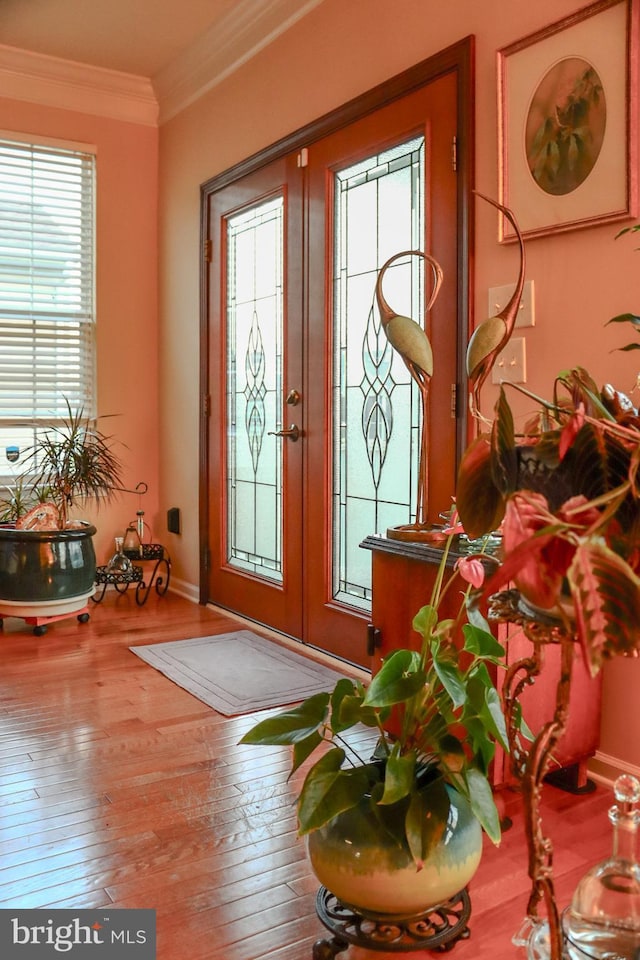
(119, 789)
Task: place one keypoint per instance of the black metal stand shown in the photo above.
(437, 929)
(160, 575)
(567, 779)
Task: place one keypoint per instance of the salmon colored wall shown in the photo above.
(335, 53)
(126, 290)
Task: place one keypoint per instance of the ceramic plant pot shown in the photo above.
(39, 566)
(370, 871)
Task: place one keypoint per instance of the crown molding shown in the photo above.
(53, 82)
(249, 27)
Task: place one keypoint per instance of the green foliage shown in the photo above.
(570, 513)
(504, 462)
(69, 462)
(446, 719)
(632, 319)
(17, 500)
(607, 593)
(479, 501)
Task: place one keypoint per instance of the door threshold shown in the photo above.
(313, 653)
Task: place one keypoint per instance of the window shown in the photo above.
(47, 300)
(379, 209)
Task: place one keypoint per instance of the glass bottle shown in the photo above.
(119, 563)
(603, 921)
(132, 546)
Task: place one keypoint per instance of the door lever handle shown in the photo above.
(291, 433)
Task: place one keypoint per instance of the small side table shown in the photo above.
(160, 575)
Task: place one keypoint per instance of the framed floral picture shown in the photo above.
(567, 105)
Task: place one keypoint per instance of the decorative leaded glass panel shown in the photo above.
(379, 211)
(254, 315)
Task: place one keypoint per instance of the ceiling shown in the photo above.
(153, 57)
(141, 37)
(134, 36)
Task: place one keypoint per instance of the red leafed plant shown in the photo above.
(567, 496)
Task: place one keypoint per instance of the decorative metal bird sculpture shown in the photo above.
(410, 340)
(492, 335)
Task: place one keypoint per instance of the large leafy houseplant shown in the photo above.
(47, 560)
(566, 494)
(437, 716)
(72, 461)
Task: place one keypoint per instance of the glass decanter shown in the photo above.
(603, 920)
(119, 563)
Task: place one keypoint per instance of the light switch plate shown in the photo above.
(500, 296)
(511, 364)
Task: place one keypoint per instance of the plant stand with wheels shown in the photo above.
(437, 929)
(40, 614)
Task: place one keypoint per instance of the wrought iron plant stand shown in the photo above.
(531, 764)
(160, 575)
(437, 929)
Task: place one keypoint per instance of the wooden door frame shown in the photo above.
(458, 58)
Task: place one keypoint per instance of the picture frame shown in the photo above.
(568, 122)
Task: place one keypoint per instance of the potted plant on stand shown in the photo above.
(394, 827)
(47, 560)
(565, 492)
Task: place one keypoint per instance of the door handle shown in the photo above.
(291, 433)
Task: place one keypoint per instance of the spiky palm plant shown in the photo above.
(74, 461)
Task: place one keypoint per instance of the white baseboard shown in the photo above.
(180, 587)
(184, 589)
(606, 769)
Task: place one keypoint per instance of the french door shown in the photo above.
(255, 490)
(312, 438)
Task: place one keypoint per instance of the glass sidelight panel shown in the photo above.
(379, 211)
(254, 325)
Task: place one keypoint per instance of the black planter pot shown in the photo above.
(555, 483)
(46, 565)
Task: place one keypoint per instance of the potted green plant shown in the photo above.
(565, 492)
(47, 559)
(397, 828)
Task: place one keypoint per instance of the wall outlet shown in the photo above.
(499, 297)
(511, 364)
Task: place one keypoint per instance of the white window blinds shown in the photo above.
(47, 313)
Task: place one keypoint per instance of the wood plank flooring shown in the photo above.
(119, 789)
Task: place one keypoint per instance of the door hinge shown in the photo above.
(453, 400)
(454, 154)
(207, 251)
(206, 558)
(303, 157)
(206, 405)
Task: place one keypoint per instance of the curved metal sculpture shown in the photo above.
(410, 340)
(492, 335)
